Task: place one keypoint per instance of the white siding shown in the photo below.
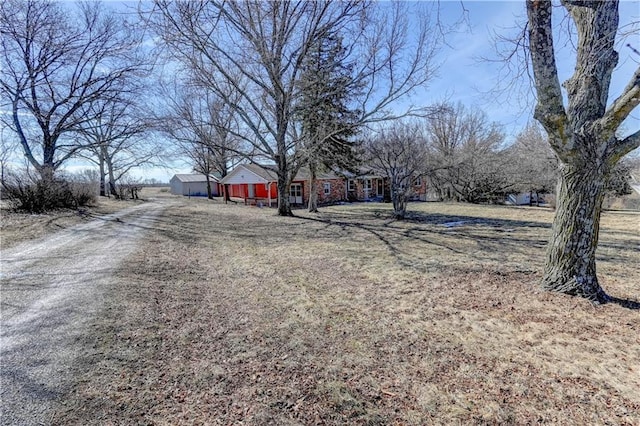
(197, 189)
(241, 175)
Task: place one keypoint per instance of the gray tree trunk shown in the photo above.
(209, 194)
(399, 200)
(313, 187)
(284, 204)
(112, 179)
(103, 177)
(570, 265)
(582, 134)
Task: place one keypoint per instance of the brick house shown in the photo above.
(331, 188)
(257, 185)
(375, 187)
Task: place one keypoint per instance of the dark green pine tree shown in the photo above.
(329, 125)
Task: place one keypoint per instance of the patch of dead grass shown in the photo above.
(17, 227)
(231, 315)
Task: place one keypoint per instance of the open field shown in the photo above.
(231, 315)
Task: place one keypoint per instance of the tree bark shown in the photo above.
(103, 176)
(47, 175)
(399, 199)
(570, 259)
(209, 194)
(582, 135)
(112, 179)
(284, 204)
(313, 187)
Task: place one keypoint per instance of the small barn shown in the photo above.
(194, 184)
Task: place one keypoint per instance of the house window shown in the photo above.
(327, 188)
(418, 181)
(367, 185)
(351, 185)
(295, 190)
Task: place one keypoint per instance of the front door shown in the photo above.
(367, 188)
(295, 193)
(380, 189)
(252, 191)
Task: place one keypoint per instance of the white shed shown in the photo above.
(194, 185)
(525, 198)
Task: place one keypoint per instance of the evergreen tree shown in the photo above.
(328, 125)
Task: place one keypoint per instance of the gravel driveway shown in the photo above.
(50, 289)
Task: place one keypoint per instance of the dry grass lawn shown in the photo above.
(231, 315)
(16, 227)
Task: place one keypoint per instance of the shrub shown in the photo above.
(37, 195)
(127, 187)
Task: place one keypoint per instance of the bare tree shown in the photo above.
(259, 48)
(55, 62)
(619, 183)
(534, 165)
(7, 149)
(117, 140)
(466, 162)
(634, 167)
(582, 133)
(399, 152)
(202, 126)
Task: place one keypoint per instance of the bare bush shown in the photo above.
(398, 152)
(37, 195)
(128, 188)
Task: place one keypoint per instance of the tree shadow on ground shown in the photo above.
(441, 230)
(625, 303)
(491, 237)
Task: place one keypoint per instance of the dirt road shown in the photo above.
(50, 289)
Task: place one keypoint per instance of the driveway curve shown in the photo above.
(50, 289)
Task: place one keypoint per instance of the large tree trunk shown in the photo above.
(582, 134)
(103, 177)
(47, 173)
(209, 194)
(571, 263)
(227, 196)
(313, 187)
(284, 204)
(399, 200)
(112, 179)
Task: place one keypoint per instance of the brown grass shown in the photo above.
(16, 227)
(231, 315)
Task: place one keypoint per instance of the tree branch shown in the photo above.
(623, 105)
(620, 148)
(550, 111)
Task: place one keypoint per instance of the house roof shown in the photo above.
(266, 174)
(303, 174)
(194, 177)
(249, 173)
(259, 174)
